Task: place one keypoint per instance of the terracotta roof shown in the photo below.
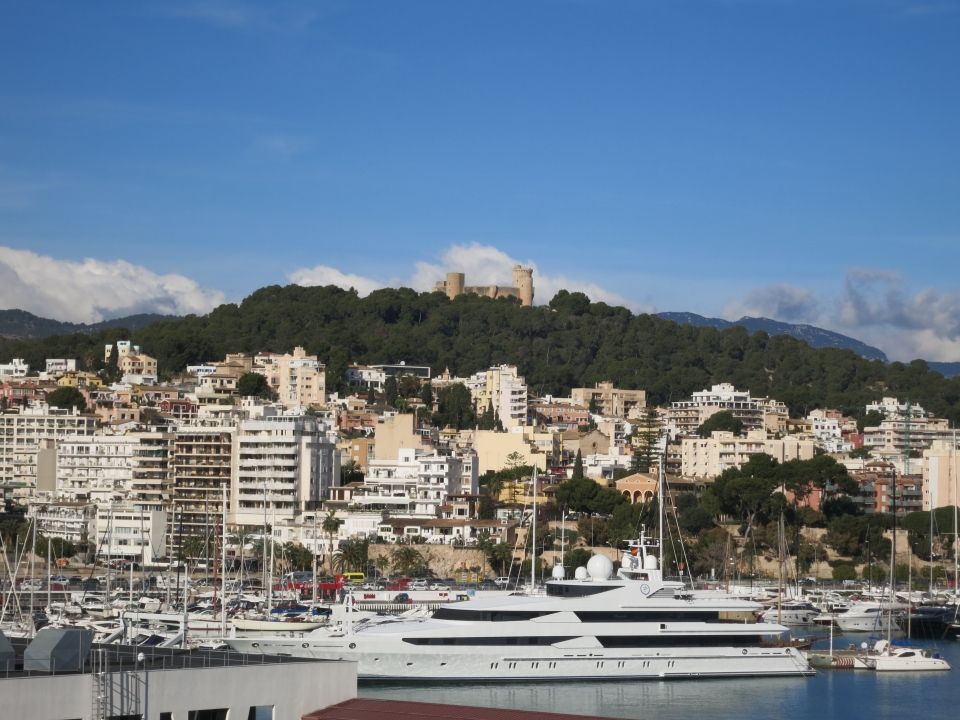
(364, 709)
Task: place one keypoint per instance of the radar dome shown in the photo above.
(600, 567)
(580, 573)
(559, 572)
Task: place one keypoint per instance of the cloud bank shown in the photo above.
(875, 306)
(94, 290)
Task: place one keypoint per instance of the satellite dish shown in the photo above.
(863, 645)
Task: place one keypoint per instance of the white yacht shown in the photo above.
(594, 626)
(866, 616)
(791, 612)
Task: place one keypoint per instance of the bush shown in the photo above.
(844, 572)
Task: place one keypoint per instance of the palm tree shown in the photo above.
(406, 560)
(331, 525)
(382, 563)
(355, 554)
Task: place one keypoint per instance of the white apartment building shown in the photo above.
(133, 468)
(366, 376)
(891, 408)
(709, 457)
(21, 435)
(55, 367)
(124, 532)
(412, 485)
(298, 379)
(16, 368)
(68, 520)
(827, 432)
(286, 464)
(501, 388)
(685, 416)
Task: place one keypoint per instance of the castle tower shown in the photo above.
(523, 282)
(455, 283)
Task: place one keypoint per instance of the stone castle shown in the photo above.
(522, 286)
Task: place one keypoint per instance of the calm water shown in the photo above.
(829, 694)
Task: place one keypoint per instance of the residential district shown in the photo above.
(142, 470)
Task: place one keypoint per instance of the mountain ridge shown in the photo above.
(21, 324)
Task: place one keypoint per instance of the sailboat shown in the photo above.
(887, 657)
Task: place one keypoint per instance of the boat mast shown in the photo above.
(533, 535)
(223, 564)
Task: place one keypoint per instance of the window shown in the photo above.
(260, 712)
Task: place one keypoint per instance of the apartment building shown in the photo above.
(298, 379)
(685, 416)
(203, 468)
(502, 389)
(608, 400)
(941, 475)
(901, 436)
(26, 445)
(72, 521)
(16, 368)
(709, 457)
(138, 368)
(286, 464)
(413, 484)
(124, 532)
(827, 431)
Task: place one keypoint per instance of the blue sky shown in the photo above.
(797, 159)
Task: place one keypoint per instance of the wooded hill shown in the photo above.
(569, 343)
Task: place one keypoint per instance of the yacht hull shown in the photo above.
(538, 664)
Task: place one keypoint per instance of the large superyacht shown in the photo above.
(597, 625)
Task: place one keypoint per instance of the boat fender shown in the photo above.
(254, 644)
(352, 646)
(744, 651)
(305, 645)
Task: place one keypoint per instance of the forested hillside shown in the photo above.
(569, 343)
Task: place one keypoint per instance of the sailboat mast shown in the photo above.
(533, 535)
(223, 564)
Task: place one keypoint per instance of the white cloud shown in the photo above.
(94, 290)
(781, 302)
(326, 275)
(874, 306)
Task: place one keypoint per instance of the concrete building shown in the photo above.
(16, 368)
(286, 464)
(709, 457)
(203, 466)
(827, 432)
(900, 436)
(685, 416)
(26, 445)
(68, 520)
(298, 379)
(497, 450)
(502, 389)
(55, 367)
(138, 369)
(117, 681)
(608, 400)
(124, 532)
(414, 484)
(941, 475)
(103, 469)
(522, 287)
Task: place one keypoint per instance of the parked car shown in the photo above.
(501, 581)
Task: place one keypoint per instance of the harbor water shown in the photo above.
(840, 694)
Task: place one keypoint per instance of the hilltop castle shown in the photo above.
(522, 286)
